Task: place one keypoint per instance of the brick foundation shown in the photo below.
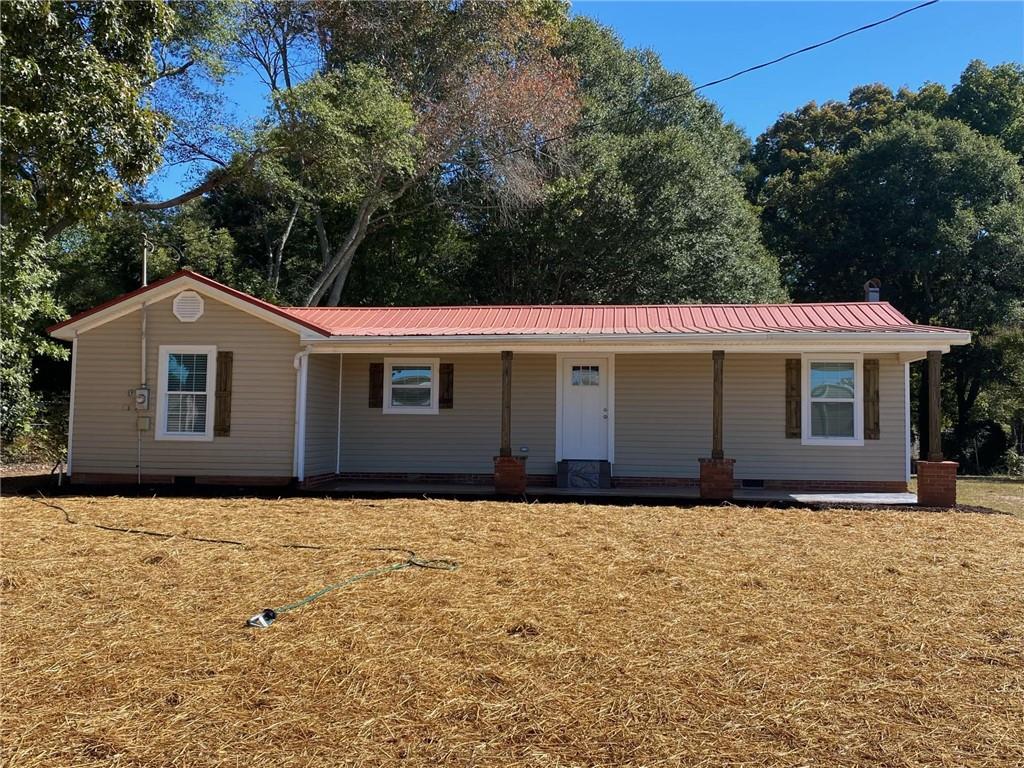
(936, 483)
(716, 480)
(510, 475)
(654, 482)
(108, 478)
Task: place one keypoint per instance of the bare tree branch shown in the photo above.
(212, 182)
(170, 72)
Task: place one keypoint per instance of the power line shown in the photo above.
(543, 142)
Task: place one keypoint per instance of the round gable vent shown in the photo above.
(188, 306)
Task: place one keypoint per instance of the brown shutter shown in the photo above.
(446, 395)
(793, 389)
(222, 398)
(376, 385)
(872, 430)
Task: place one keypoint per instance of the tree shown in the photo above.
(76, 130)
(930, 206)
(644, 206)
(991, 101)
(407, 92)
(81, 126)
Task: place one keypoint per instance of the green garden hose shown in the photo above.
(266, 617)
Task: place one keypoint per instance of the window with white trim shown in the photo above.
(833, 400)
(186, 392)
(411, 385)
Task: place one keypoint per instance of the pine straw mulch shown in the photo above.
(573, 635)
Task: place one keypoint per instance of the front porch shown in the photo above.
(716, 424)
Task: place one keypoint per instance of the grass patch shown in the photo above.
(571, 635)
(1000, 493)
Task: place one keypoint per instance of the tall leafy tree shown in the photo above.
(81, 127)
(928, 204)
(991, 101)
(406, 92)
(645, 204)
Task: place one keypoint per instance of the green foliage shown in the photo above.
(991, 101)
(28, 303)
(907, 188)
(344, 131)
(75, 127)
(645, 205)
(105, 259)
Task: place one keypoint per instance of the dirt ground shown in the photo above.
(571, 635)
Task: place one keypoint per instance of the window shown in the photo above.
(186, 393)
(410, 386)
(586, 375)
(833, 400)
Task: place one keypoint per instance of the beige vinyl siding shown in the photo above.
(533, 411)
(755, 417)
(321, 415)
(460, 440)
(662, 414)
(663, 421)
(263, 395)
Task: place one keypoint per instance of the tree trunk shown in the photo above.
(275, 275)
(342, 260)
(321, 235)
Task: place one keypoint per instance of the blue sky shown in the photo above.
(708, 40)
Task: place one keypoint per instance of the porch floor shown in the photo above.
(684, 492)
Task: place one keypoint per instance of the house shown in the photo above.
(190, 379)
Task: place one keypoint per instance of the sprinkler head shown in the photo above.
(263, 619)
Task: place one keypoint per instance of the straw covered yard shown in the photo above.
(571, 635)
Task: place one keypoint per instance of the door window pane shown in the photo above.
(586, 375)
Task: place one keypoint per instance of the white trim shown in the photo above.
(71, 403)
(795, 343)
(610, 391)
(434, 407)
(301, 363)
(172, 288)
(858, 399)
(164, 351)
(337, 461)
(906, 414)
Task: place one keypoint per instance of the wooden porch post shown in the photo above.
(936, 478)
(718, 361)
(506, 404)
(509, 470)
(716, 473)
(934, 406)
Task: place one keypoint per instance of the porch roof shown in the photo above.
(610, 320)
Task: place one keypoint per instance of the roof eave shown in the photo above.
(936, 339)
(163, 289)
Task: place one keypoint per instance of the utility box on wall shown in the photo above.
(141, 396)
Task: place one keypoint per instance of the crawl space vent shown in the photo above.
(188, 306)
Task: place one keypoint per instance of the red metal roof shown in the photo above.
(248, 298)
(573, 320)
(607, 319)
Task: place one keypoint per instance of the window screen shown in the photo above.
(186, 393)
(833, 392)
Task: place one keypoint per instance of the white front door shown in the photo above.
(585, 407)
